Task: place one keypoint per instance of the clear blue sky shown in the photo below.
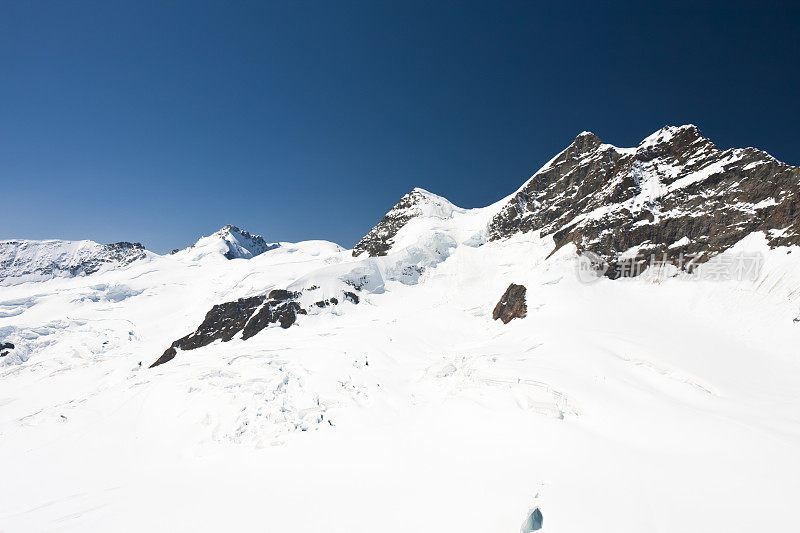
(161, 121)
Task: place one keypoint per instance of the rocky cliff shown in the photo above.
(674, 196)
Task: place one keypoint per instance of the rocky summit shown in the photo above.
(418, 202)
(674, 196)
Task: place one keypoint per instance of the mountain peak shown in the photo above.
(584, 142)
(417, 203)
(674, 194)
(673, 131)
(672, 139)
(232, 243)
(587, 137)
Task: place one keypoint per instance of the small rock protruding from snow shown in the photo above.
(534, 521)
(511, 305)
(5, 348)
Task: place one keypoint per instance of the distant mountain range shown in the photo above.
(674, 194)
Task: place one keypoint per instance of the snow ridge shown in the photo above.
(26, 260)
(419, 203)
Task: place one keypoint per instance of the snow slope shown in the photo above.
(614, 406)
(665, 401)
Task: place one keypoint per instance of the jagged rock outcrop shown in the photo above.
(279, 307)
(326, 303)
(674, 196)
(418, 202)
(5, 348)
(24, 260)
(247, 316)
(511, 305)
(351, 297)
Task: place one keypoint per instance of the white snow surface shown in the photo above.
(649, 404)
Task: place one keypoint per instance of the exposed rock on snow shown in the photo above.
(675, 195)
(248, 316)
(534, 522)
(351, 297)
(511, 305)
(327, 302)
(225, 320)
(5, 348)
(280, 307)
(417, 203)
(23, 260)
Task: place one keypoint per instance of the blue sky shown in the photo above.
(161, 121)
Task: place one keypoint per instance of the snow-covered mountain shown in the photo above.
(674, 194)
(231, 243)
(457, 370)
(419, 203)
(26, 260)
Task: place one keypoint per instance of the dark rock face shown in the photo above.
(280, 308)
(282, 294)
(351, 296)
(675, 186)
(379, 239)
(246, 315)
(168, 355)
(511, 305)
(5, 348)
(326, 303)
(223, 321)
